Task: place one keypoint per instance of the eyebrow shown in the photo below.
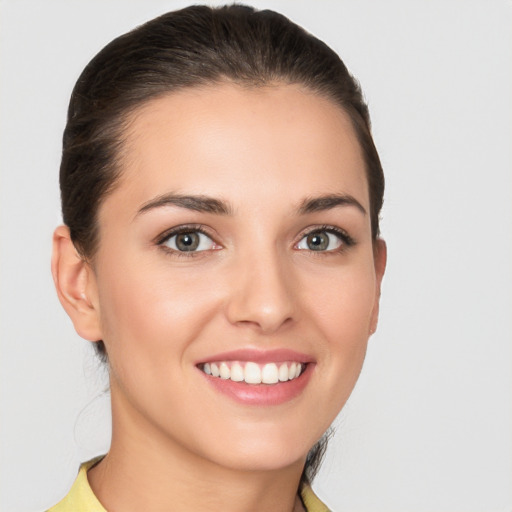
(206, 204)
(199, 203)
(327, 202)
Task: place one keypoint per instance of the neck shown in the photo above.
(145, 470)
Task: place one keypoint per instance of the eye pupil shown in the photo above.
(318, 241)
(187, 241)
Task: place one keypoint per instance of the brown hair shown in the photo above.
(194, 46)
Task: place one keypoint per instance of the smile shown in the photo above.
(253, 373)
(254, 377)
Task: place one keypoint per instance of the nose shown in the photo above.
(262, 294)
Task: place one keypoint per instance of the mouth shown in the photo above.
(252, 372)
(258, 378)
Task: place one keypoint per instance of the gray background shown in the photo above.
(429, 426)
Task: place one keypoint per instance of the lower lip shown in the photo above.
(262, 394)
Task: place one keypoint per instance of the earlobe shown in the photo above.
(75, 283)
(380, 258)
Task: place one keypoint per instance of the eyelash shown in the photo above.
(187, 228)
(346, 240)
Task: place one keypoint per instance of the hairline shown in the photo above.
(123, 118)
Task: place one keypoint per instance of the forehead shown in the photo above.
(246, 144)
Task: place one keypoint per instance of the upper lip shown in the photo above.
(279, 355)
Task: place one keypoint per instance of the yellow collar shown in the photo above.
(81, 498)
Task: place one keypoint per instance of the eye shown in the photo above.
(324, 240)
(189, 241)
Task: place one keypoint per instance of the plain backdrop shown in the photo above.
(429, 425)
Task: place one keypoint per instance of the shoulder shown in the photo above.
(80, 497)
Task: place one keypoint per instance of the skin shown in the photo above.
(263, 151)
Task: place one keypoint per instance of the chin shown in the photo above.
(264, 450)
(266, 461)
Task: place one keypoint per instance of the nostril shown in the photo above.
(263, 295)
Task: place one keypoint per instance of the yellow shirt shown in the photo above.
(80, 498)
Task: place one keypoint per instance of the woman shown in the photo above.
(221, 196)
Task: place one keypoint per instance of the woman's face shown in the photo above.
(237, 242)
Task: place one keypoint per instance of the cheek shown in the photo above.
(152, 315)
(343, 315)
(342, 302)
(151, 320)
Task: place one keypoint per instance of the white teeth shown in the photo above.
(254, 373)
(224, 371)
(269, 374)
(283, 372)
(237, 372)
(215, 370)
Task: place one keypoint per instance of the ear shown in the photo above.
(380, 255)
(76, 287)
